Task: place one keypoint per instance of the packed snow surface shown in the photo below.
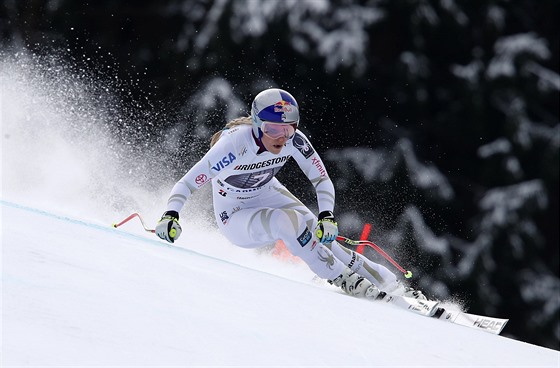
(77, 292)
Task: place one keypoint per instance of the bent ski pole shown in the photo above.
(130, 218)
(406, 273)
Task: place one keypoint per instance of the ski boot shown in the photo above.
(397, 288)
(356, 285)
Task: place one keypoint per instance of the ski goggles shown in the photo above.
(277, 131)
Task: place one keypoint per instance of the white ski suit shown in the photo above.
(254, 209)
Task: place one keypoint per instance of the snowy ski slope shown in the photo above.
(76, 292)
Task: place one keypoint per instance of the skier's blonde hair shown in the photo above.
(245, 120)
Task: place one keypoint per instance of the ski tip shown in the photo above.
(114, 225)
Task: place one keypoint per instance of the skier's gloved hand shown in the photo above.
(168, 227)
(327, 228)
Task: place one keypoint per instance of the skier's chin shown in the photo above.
(275, 148)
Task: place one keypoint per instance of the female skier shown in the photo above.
(253, 208)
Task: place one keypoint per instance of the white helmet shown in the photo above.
(276, 106)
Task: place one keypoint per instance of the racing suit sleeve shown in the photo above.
(313, 167)
(200, 174)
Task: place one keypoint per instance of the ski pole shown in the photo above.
(406, 273)
(115, 225)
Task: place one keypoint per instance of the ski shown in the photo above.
(431, 308)
(484, 323)
(418, 306)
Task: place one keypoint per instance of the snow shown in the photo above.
(77, 292)
(500, 211)
(509, 47)
(337, 34)
(380, 164)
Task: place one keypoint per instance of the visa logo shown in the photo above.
(225, 161)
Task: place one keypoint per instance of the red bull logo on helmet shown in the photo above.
(283, 106)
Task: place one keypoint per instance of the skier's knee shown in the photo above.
(291, 227)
